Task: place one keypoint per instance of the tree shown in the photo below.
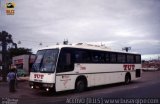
(6, 40)
(19, 51)
(9, 49)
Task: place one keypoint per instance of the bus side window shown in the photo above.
(65, 62)
(121, 58)
(130, 59)
(138, 59)
(107, 58)
(113, 58)
(78, 56)
(97, 57)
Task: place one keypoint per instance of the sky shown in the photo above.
(115, 23)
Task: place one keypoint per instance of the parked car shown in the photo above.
(21, 73)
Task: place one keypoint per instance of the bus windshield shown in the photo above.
(45, 61)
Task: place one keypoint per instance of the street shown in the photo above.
(146, 87)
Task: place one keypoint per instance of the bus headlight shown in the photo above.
(47, 89)
(32, 87)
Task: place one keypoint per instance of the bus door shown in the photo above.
(65, 66)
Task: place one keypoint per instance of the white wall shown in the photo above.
(25, 59)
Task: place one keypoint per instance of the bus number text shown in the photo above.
(128, 67)
(38, 76)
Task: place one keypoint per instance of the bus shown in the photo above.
(79, 66)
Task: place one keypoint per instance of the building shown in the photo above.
(24, 62)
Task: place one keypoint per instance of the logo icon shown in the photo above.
(10, 5)
(10, 8)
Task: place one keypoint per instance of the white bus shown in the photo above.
(68, 67)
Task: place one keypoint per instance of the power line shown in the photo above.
(35, 41)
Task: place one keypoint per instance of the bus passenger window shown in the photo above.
(113, 57)
(130, 59)
(107, 59)
(97, 57)
(78, 56)
(138, 59)
(121, 58)
(68, 58)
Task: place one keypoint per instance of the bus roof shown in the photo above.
(85, 46)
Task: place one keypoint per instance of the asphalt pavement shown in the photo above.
(146, 87)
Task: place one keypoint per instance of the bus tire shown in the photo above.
(80, 85)
(127, 78)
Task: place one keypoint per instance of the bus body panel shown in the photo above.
(65, 82)
(99, 68)
(42, 77)
(96, 74)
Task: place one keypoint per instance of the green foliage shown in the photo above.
(19, 51)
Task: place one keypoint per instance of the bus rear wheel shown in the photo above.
(80, 86)
(127, 79)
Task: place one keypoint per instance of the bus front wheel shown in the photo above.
(80, 86)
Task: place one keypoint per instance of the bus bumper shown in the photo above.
(42, 86)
